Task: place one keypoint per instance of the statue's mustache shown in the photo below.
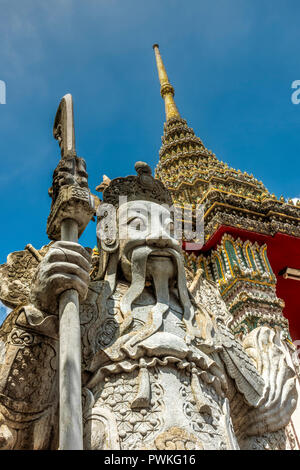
(153, 249)
(139, 258)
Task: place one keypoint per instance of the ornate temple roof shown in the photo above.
(194, 175)
(235, 204)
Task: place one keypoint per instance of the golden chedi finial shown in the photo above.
(166, 89)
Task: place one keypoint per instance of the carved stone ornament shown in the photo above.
(71, 197)
(73, 202)
(17, 274)
(177, 439)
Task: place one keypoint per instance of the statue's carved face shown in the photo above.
(144, 223)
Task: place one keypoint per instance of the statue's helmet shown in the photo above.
(135, 193)
(141, 187)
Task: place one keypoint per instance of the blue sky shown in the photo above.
(3, 313)
(231, 62)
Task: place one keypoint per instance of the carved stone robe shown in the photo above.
(157, 393)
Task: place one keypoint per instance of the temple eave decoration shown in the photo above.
(246, 282)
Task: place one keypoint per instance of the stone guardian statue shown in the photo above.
(160, 368)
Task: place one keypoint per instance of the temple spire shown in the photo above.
(166, 89)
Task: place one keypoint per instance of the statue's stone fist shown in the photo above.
(65, 266)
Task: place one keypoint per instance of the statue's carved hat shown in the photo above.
(142, 187)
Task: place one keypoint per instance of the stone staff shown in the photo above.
(72, 209)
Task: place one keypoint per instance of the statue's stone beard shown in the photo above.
(163, 267)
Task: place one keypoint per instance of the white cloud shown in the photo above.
(295, 199)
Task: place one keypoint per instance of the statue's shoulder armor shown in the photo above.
(96, 318)
(28, 360)
(17, 273)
